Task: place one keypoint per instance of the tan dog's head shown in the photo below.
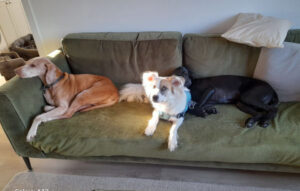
(162, 89)
(38, 66)
(33, 67)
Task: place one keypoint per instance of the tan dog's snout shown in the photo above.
(23, 71)
(18, 71)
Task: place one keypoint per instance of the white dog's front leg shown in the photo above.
(51, 115)
(152, 124)
(172, 144)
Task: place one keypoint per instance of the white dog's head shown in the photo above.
(162, 89)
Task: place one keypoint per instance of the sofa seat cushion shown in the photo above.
(118, 131)
(123, 57)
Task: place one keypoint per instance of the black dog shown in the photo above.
(250, 95)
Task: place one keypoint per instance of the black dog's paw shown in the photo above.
(211, 110)
(203, 114)
(250, 122)
(200, 113)
(264, 123)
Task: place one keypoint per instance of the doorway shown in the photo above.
(13, 23)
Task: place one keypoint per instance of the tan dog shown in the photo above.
(67, 93)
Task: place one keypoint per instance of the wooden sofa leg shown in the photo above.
(27, 162)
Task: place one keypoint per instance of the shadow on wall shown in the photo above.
(221, 26)
(218, 28)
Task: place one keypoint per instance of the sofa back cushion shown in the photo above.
(293, 36)
(208, 56)
(280, 67)
(123, 57)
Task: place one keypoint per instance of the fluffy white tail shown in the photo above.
(133, 93)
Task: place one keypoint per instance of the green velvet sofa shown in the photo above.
(116, 133)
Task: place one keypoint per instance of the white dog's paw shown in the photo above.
(149, 131)
(30, 136)
(172, 144)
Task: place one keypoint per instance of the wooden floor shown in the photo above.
(10, 164)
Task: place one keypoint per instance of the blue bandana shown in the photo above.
(166, 116)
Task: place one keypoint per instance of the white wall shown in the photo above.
(51, 20)
(3, 44)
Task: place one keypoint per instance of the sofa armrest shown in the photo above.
(20, 101)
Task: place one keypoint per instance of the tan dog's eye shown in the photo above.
(32, 65)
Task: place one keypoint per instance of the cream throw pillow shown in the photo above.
(280, 67)
(258, 31)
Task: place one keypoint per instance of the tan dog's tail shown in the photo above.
(133, 93)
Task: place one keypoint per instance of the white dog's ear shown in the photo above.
(149, 77)
(178, 81)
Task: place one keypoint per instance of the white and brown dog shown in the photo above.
(169, 98)
(67, 93)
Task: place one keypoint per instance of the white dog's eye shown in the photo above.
(164, 88)
(154, 86)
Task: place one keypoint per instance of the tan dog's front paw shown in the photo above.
(172, 144)
(30, 136)
(149, 131)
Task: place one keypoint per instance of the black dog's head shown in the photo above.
(182, 71)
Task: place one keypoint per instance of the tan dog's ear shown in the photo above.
(51, 72)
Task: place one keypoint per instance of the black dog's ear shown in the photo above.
(181, 71)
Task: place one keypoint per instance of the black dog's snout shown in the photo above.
(155, 98)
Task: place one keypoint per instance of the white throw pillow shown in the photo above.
(258, 31)
(280, 67)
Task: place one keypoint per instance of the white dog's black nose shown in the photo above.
(155, 98)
